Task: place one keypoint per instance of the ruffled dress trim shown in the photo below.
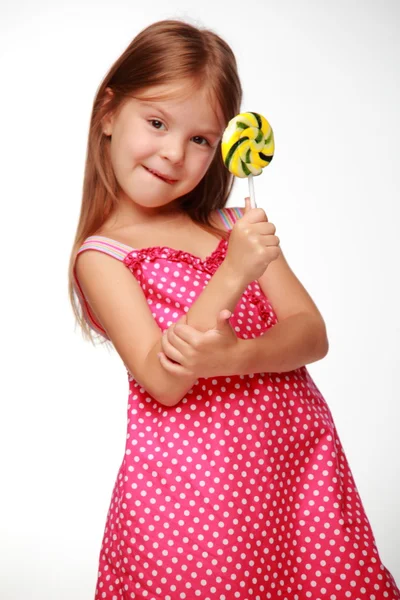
(262, 305)
(134, 260)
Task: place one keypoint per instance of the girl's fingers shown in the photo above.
(184, 334)
(174, 345)
(180, 336)
(169, 366)
(170, 350)
(271, 240)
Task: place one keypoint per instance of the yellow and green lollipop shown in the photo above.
(247, 147)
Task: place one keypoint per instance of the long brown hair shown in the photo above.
(165, 52)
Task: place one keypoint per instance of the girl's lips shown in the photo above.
(161, 176)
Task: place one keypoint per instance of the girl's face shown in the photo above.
(161, 149)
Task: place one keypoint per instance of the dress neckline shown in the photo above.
(151, 249)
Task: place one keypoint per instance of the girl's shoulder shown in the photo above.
(227, 216)
(136, 237)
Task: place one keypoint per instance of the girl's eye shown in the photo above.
(156, 124)
(200, 140)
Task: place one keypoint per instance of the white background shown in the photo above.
(326, 75)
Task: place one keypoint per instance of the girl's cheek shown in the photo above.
(207, 160)
(202, 158)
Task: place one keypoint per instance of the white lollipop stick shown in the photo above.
(251, 192)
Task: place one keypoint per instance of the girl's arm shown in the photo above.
(298, 339)
(223, 291)
(120, 306)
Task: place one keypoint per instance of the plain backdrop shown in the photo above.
(326, 75)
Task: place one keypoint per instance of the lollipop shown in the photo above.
(247, 147)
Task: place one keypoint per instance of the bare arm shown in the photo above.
(299, 338)
(119, 304)
(297, 341)
(223, 291)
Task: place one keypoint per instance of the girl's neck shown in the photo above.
(159, 217)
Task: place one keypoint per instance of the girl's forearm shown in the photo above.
(292, 343)
(223, 291)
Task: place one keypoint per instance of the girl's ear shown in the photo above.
(107, 120)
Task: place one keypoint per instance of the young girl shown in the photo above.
(234, 483)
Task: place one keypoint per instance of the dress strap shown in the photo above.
(229, 216)
(104, 244)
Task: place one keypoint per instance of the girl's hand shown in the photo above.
(200, 354)
(252, 244)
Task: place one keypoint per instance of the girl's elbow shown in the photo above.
(320, 342)
(168, 402)
(323, 342)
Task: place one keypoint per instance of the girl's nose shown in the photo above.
(174, 150)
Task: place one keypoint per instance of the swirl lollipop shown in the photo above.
(247, 147)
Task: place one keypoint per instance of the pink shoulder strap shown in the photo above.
(229, 216)
(106, 245)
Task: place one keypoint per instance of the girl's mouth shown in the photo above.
(161, 176)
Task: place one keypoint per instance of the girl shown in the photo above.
(234, 483)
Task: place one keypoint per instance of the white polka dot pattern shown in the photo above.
(242, 490)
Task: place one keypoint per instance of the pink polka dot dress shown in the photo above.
(240, 491)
